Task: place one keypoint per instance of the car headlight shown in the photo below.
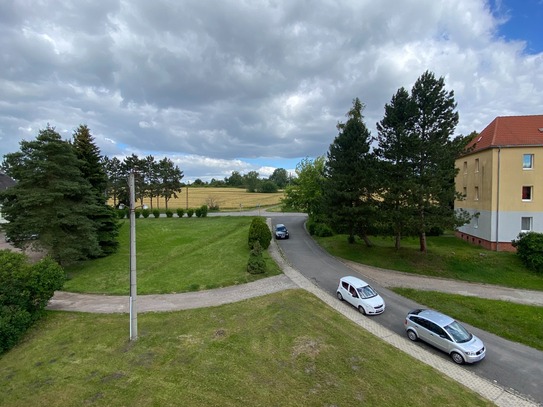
(471, 353)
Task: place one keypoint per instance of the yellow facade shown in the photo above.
(503, 189)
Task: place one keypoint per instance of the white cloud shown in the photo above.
(210, 84)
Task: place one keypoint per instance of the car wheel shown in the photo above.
(339, 296)
(412, 335)
(361, 309)
(457, 358)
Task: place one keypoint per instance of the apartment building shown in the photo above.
(501, 180)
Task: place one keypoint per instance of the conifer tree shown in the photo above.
(350, 177)
(104, 216)
(51, 200)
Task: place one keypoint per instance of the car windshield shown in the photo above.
(281, 229)
(366, 292)
(458, 332)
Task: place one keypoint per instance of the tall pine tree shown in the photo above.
(51, 199)
(417, 152)
(350, 183)
(92, 169)
(396, 138)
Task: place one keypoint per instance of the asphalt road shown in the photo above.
(511, 365)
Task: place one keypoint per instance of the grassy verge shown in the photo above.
(516, 322)
(173, 255)
(260, 352)
(447, 257)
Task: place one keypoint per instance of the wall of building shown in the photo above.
(493, 181)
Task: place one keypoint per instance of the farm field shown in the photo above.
(226, 198)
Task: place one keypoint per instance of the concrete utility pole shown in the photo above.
(133, 288)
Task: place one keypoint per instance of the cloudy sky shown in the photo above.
(242, 85)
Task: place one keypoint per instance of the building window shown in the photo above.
(525, 224)
(476, 197)
(465, 167)
(465, 192)
(476, 165)
(527, 161)
(526, 193)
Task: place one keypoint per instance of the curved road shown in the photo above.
(511, 365)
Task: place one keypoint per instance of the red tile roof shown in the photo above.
(510, 131)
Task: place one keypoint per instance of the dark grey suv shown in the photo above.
(281, 231)
(444, 333)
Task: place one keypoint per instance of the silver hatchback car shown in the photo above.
(444, 333)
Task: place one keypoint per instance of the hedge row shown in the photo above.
(200, 212)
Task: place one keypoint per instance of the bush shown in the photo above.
(435, 231)
(268, 187)
(122, 213)
(259, 232)
(530, 250)
(137, 213)
(198, 212)
(25, 290)
(180, 212)
(203, 210)
(311, 225)
(190, 212)
(323, 230)
(256, 263)
(169, 213)
(145, 212)
(156, 213)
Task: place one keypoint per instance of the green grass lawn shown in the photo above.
(516, 322)
(173, 255)
(447, 257)
(285, 349)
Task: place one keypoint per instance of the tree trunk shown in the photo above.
(422, 238)
(366, 240)
(397, 241)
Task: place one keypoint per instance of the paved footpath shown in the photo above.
(292, 279)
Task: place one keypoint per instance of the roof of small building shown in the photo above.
(510, 131)
(6, 181)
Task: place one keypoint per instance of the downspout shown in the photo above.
(498, 203)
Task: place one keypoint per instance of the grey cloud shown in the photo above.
(219, 80)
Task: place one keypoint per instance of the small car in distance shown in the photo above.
(281, 231)
(446, 334)
(360, 295)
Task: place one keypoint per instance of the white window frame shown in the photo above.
(530, 220)
(531, 167)
(476, 197)
(531, 193)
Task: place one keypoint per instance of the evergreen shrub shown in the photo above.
(259, 232)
